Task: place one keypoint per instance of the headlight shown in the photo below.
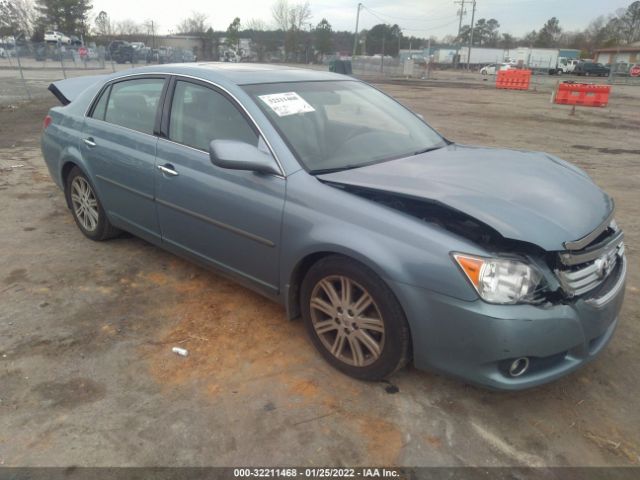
(500, 280)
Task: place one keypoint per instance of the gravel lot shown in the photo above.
(87, 376)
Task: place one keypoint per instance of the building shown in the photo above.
(626, 54)
(570, 53)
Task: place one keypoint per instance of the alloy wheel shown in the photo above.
(85, 204)
(347, 320)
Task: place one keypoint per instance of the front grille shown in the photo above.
(584, 270)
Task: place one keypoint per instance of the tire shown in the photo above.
(86, 206)
(369, 350)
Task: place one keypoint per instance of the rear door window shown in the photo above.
(133, 104)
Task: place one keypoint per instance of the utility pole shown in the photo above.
(473, 16)
(384, 35)
(355, 37)
(461, 3)
(429, 57)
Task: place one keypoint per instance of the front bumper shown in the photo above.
(475, 340)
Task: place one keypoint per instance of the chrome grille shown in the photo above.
(580, 278)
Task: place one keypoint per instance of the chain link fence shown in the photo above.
(27, 68)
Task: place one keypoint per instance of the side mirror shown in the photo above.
(236, 155)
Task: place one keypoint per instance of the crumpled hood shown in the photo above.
(527, 196)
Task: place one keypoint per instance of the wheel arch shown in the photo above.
(306, 261)
(67, 165)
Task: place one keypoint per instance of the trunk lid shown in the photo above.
(69, 89)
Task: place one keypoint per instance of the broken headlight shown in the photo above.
(500, 280)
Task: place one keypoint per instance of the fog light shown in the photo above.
(519, 366)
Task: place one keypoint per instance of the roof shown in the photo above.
(244, 73)
(618, 49)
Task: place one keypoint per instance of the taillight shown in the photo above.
(47, 122)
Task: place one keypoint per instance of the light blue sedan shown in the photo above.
(504, 268)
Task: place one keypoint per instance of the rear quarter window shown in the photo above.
(101, 106)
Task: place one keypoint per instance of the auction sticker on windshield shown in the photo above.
(288, 103)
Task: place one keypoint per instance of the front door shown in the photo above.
(228, 218)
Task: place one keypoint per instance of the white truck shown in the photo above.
(567, 65)
(52, 36)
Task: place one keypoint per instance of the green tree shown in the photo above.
(485, 33)
(508, 41)
(323, 38)
(383, 39)
(68, 16)
(549, 34)
(233, 37)
(492, 35)
(529, 39)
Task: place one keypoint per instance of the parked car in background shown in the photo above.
(165, 55)
(141, 53)
(622, 69)
(53, 36)
(184, 56)
(591, 69)
(495, 67)
(502, 267)
(113, 47)
(75, 41)
(230, 56)
(120, 51)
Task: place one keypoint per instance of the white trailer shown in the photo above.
(542, 60)
(482, 56)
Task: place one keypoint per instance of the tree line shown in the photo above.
(291, 31)
(619, 28)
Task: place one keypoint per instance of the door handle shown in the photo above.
(168, 169)
(89, 142)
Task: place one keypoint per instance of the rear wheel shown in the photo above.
(353, 319)
(86, 208)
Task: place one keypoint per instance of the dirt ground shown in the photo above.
(87, 376)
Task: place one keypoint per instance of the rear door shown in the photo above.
(120, 145)
(228, 218)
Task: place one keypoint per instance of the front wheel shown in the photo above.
(86, 208)
(353, 319)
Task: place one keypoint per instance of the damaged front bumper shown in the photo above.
(477, 341)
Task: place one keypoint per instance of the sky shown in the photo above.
(419, 18)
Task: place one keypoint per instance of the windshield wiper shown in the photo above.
(333, 170)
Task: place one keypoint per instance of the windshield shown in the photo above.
(342, 124)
